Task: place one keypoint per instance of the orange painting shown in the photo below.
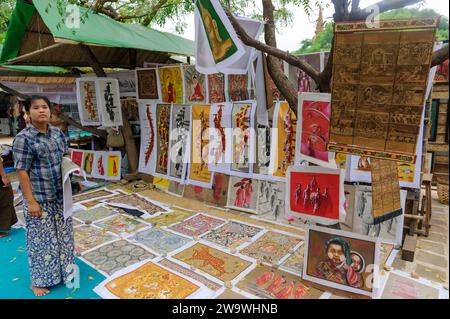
(286, 127)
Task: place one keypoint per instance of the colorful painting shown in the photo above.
(242, 194)
(402, 287)
(136, 201)
(220, 139)
(349, 191)
(92, 203)
(232, 234)
(242, 117)
(150, 281)
(100, 193)
(109, 102)
(264, 126)
(294, 262)
(171, 81)
(341, 260)
(341, 160)
(87, 102)
(87, 237)
(442, 72)
(269, 283)
(162, 138)
(271, 199)
(180, 122)
(94, 214)
(216, 196)
(316, 194)
(199, 173)
(312, 138)
(147, 153)
(216, 88)
(237, 87)
(147, 84)
(271, 247)
(116, 256)
(121, 225)
(113, 165)
(194, 85)
(218, 264)
(98, 171)
(88, 162)
(160, 241)
(283, 146)
(176, 216)
(77, 158)
(197, 225)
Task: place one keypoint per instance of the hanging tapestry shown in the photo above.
(162, 138)
(216, 88)
(194, 85)
(341, 260)
(316, 194)
(243, 138)
(147, 84)
(214, 262)
(232, 234)
(199, 173)
(379, 85)
(121, 225)
(237, 87)
(147, 153)
(386, 202)
(180, 121)
(197, 225)
(159, 241)
(87, 102)
(88, 237)
(242, 194)
(171, 81)
(283, 146)
(271, 200)
(220, 138)
(314, 110)
(109, 102)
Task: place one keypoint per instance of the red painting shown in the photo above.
(442, 72)
(77, 158)
(216, 88)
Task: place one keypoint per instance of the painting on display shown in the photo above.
(179, 147)
(199, 174)
(197, 225)
(160, 241)
(87, 102)
(137, 202)
(121, 224)
(216, 196)
(220, 145)
(195, 88)
(238, 87)
(341, 160)
(88, 237)
(162, 139)
(283, 140)
(113, 166)
(109, 102)
(269, 283)
(147, 153)
(216, 88)
(316, 194)
(242, 194)
(379, 87)
(214, 262)
(176, 216)
(294, 263)
(313, 126)
(349, 191)
(99, 193)
(271, 247)
(87, 164)
(243, 137)
(77, 158)
(442, 72)
(263, 144)
(271, 200)
(341, 260)
(402, 287)
(147, 84)
(171, 81)
(94, 214)
(176, 189)
(98, 170)
(232, 234)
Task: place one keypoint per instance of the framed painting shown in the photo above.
(232, 234)
(271, 199)
(171, 80)
(147, 84)
(316, 194)
(113, 166)
(147, 153)
(314, 111)
(442, 73)
(162, 139)
(87, 101)
(341, 260)
(195, 86)
(220, 138)
(109, 102)
(160, 241)
(197, 225)
(237, 87)
(216, 88)
(242, 194)
(179, 142)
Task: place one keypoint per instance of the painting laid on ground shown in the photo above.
(232, 234)
(197, 225)
(160, 241)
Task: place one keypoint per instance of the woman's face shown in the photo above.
(356, 262)
(40, 112)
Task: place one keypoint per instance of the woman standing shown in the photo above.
(7, 213)
(38, 152)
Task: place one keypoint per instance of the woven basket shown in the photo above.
(443, 193)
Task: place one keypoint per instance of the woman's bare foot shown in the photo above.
(40, 292)
(3, 234)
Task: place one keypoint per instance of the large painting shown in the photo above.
(87, 102)
(171, 81)
(109, 102)
(195, 88)
(136, 201)
(216, 88)
(162, 139)
(243, 138)
(147, 84)
(180, 121)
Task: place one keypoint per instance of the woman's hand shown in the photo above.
(34, 209)
(6, 181)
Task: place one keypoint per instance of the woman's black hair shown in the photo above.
(33, 98)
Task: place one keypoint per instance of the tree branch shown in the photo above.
(383, 6)
(440, 56)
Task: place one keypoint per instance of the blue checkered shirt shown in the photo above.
(40, 155)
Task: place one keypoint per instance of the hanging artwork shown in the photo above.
(171, 81)
(216, 88)
(77, 158)
(147, 154)
(283, 139)
(164, 220)
(263, 144)
(243, 115)
(121, 225)
(268, 283)
(159, 241)
(271, 200)
(271, 247)
(88, 237)
(386, 202)
(341, 260)
(109, 102)
(379, 87)
(341, 160)
(162, 139)
(399, 286)
(242, 194)
(232, 234)
(237, 87)
(113, 166)
(138, 202)
(197, 225)
(314, 111)
(92, 215)
(199, 174)
(316, 194)
(87, 164)
(442, 74)
(98, 170)
(195, 85)
(117, 255)
(179, 148)
(214, 262)
(148, 280)
(87, 101)
(147, 84)
(220, 138)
